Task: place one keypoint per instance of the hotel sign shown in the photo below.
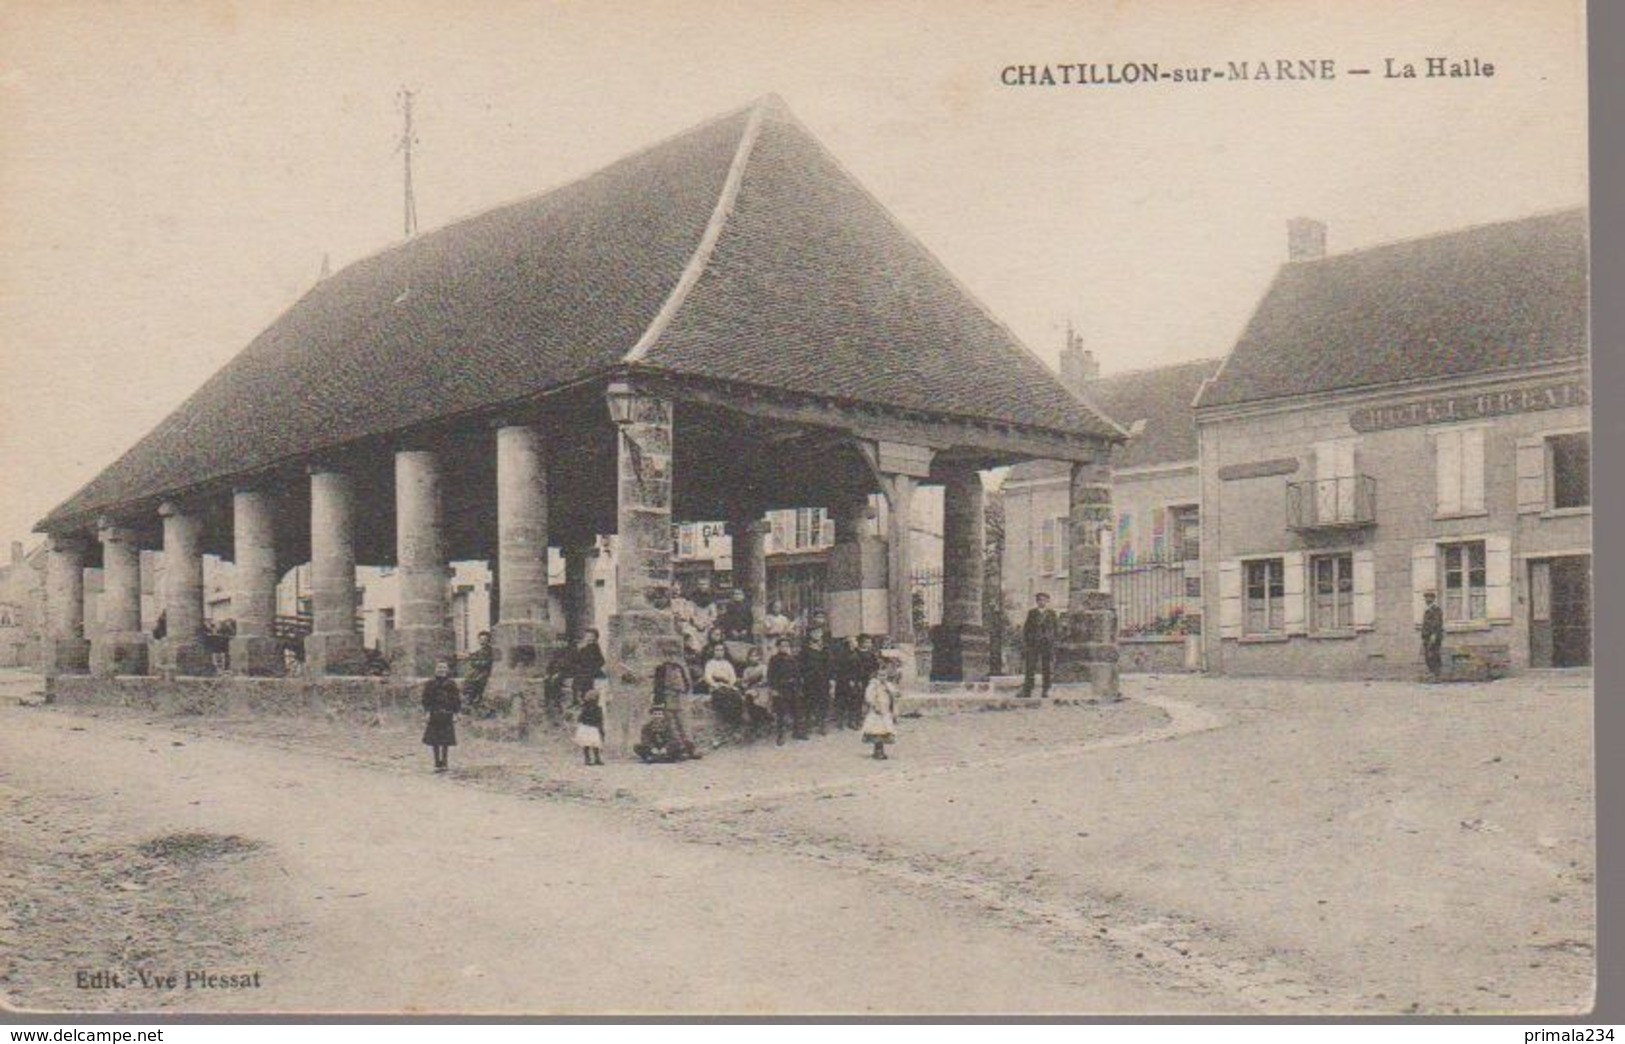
(1471, 406)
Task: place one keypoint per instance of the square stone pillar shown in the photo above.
(421, 636)
(580, 606)
(1087, 650)
(254, 577)
(334, 645)
(65, 649)
(522, 637)
(857, 591)
(642, 630)
(181, 651)
(120, 647)
(959, 647)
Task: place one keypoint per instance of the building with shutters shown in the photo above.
(1151, 554)
(1408, 418)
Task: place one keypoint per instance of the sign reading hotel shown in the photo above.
(1471, 406)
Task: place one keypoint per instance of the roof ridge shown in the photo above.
(713, 232)
(1448, 233)
(1159, 368)
(782, 112)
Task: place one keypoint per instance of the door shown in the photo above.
(1571, 611)
(1540, 613)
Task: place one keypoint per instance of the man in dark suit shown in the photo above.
(1038, 642)
(1432, 635)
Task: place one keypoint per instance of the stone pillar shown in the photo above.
(421, 635)
(857, 573)
(334, 645)
(579, 607)
(959, 649)
(899, 559)
(642, 630)
(254, 574)
(181, 650)
(1087, 650)
(66, 650)
(522, 636)
(749, 537)
(121, 647)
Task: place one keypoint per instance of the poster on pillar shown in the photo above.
(1065, 509)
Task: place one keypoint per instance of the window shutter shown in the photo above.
(1046, 547)
(1293, 617)
(1230, 599)
(1498, 578)
(1424, 576)
(1365, 590)
(1531, 474)
(1472, 470)
(1447, 458)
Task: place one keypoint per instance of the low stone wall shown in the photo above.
(360, 700)
(1153, 656)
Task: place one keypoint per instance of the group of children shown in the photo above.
(850, 683)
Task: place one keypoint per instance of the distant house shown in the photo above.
(22, 606)
(1398, 420)
(1153, 553)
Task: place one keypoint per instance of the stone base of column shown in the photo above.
(118, 654)
(959, 652)
(521, 649)
(413, 651)
(639, 641)
(256, 655)
(185, 656)
(334, 654)
(1088, 652)
(65, 656)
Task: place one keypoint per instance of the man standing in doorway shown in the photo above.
(1432, 635)
(1038, 643)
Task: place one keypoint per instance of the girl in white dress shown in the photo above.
(885, 689)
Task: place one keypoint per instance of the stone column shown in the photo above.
(65, 647)
(522, 637)
(580, 610)
(334, 645)
(749, 536)
(254, 574)
(121, 647)
(899, 559)
(858, 598)
(422, 634)
(642, 630)
(1087, 650)
(959, 650)
(181, 650)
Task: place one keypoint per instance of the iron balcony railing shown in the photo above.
(1349, 501)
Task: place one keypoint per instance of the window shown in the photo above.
(688, 540)
(1464, 588)
(1459, 460)
(1335, 483)
(1053, 542)
(1333, 588)
(1187, 527)
(1266, 596)
(1570, 469)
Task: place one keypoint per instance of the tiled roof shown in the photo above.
(1153, 404)
(1490, 298)
(737, 250)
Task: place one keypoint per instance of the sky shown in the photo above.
(173, 174)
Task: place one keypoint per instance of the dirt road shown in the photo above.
(1212, 847)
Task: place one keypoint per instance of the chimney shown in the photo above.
(1078, 365)
(1305, 239)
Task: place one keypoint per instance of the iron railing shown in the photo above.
(1349, 501)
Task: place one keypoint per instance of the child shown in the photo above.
(590, 728)
(722, 683)
(657, 742)
(758, 712)
(815, 677)
(880, 723)
(784, 681)
(442, 702)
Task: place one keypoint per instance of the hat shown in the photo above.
(892, 654)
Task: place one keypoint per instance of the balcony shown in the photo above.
(1347, 502)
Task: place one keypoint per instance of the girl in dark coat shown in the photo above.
(442, 702)
(816, 670)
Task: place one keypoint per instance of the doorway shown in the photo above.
(1560, 611)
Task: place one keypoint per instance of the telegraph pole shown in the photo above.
(405, 146)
